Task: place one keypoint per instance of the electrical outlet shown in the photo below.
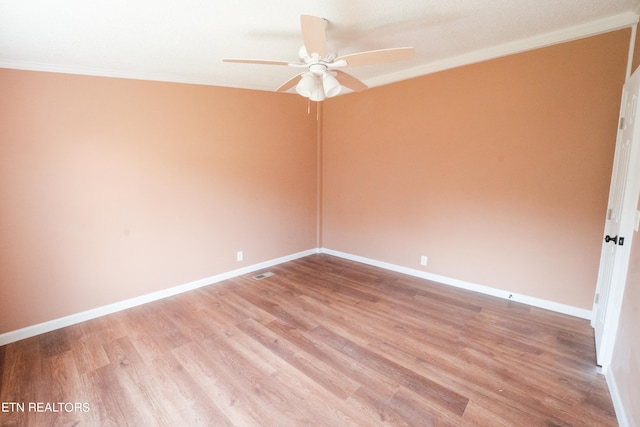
(239, 256)
(423, 260)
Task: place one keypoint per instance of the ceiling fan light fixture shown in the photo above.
(306, 85)
(330, 85)
(318, 92)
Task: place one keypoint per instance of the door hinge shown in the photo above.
(621, 126)
(597, 298)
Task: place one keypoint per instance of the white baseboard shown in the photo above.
(621, 413)
(72, 319)
(525, 299)
(52, 325)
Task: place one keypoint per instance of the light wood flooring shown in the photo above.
(323, 342)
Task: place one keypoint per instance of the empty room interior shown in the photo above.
(183, 245)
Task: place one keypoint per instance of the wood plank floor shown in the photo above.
(323, 342)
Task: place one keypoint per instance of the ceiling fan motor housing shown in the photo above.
(318, 69)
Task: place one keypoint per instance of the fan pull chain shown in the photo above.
(308, 106)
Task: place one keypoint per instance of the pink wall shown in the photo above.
(114, 188)
(498, 171)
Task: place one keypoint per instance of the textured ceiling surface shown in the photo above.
(185, 40)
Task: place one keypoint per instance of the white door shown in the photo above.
(621, 213)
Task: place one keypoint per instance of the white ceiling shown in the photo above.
(185, 40)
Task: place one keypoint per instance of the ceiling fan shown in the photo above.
(323, 77)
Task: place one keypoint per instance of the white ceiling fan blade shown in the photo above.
(255, 61)
(348, 81)
(314, 35)
(289, 83)
(377, 56)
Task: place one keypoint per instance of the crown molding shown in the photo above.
(119, 74)
(564, 35)
(592, 28)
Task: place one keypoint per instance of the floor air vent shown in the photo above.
(263, 275)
